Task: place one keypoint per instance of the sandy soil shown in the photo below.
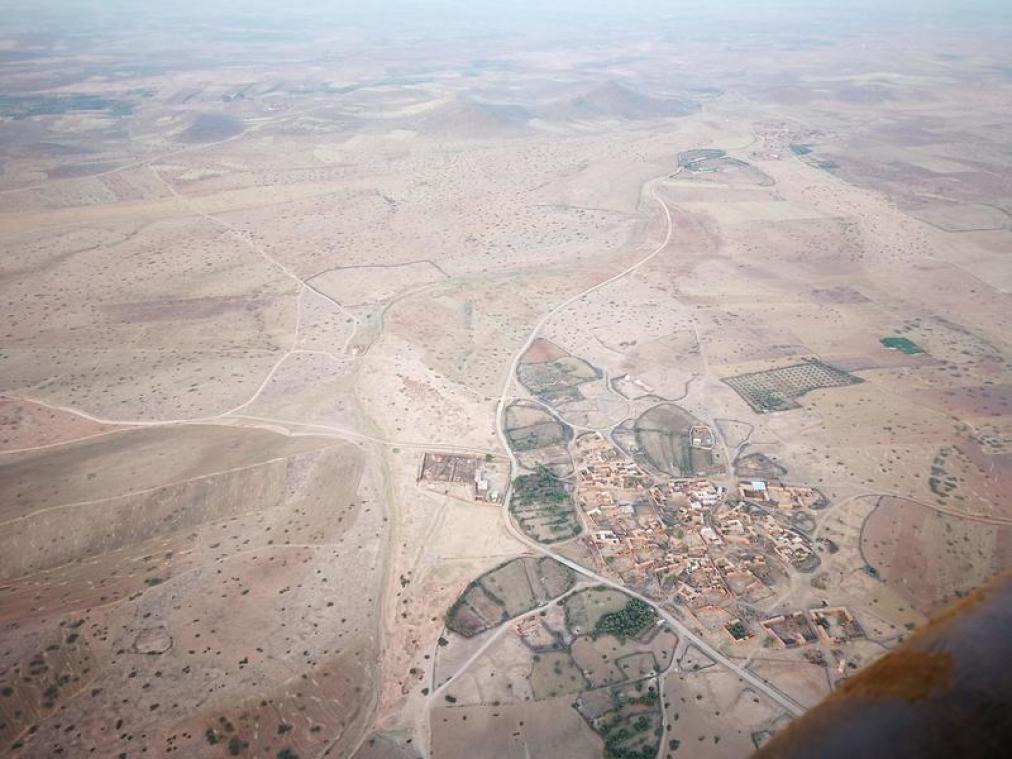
(243, 300)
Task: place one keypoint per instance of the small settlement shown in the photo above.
(692, 539)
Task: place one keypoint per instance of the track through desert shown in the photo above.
(761, 685)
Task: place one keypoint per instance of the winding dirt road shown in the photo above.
(764, 687)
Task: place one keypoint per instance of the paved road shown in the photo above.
(686, 634)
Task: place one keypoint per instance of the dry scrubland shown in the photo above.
(241, 302)
(182, 580)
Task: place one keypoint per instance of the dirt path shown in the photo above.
(756, 682)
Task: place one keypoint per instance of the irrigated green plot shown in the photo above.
(902, 344)
(689, 157)
(629, 621)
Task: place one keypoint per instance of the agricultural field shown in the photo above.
(585, 610)
(538, 438)
(608, 676)
(902, 344)
(553, 375)
(507, 591)
(778, 389)
(543, 508)
(687, 159)
(628, 719)
(710, 164)
(610, 659)
(711, 715)
(631, 620)
(758, 466)
(672, 441)
(555, 673)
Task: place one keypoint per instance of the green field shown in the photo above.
(630, 621)
(689, 157)
(902, 344)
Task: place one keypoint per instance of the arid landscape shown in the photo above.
(560, 380)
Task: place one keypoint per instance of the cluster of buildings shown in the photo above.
(686, 538)
(833, 626)
(781, 496)
(743, 524)
(706, 547)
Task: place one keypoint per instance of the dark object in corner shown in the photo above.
(945, 692)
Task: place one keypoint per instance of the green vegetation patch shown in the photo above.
(536, 436)
(631, 728)
(629, 622)
(737, 630)
(586, 608)
(689, 157)
(543, 507)
(902, 344)
(543, 487)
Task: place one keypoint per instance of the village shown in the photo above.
(695, 541)
(703, 545)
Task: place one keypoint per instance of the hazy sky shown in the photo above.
(91, 23)
(529, 10)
